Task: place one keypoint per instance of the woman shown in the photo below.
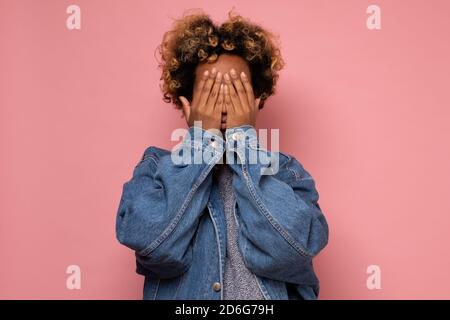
(225, 227)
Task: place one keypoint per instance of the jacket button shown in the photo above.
(216, 286)
(236, 136)
(215, 144)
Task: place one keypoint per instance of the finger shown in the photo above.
(257, 102)
(186, 107)
(224, 108)
(231, 93)
(240, 90)
(214, 92)
(220, 100)
(248, 89)
(229, 108)
(207, 88)
(199, 87)
(221, 108)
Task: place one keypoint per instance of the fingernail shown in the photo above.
(214, 70)
(219, 75)
(243, 75)
(206, 73)
(226, 76)
(233, 72)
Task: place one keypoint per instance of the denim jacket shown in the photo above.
(171, 215)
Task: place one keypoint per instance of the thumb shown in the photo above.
(186, 106)
(257, 101)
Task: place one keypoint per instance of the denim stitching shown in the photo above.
(146, 251)
(263, 289)
(294, 172)
(218, 246)
(274, 223)
(147, 157)
(156, 290)
(179, 284)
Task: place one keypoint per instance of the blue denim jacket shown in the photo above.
(171, 215)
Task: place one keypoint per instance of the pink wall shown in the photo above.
(366, 112)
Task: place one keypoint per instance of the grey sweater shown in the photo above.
(239, 283)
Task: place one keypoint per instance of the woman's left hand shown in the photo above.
(240, 103)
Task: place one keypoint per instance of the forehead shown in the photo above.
(224, 63)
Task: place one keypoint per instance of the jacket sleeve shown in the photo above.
(281, 224)
(161, 204)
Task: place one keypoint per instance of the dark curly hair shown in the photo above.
(195, 39)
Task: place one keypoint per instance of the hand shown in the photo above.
(206, 102)
(240, 103)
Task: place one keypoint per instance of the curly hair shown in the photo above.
(195, 39)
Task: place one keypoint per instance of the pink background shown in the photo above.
(366, 112)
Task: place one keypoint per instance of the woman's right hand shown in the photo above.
(207, 102)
